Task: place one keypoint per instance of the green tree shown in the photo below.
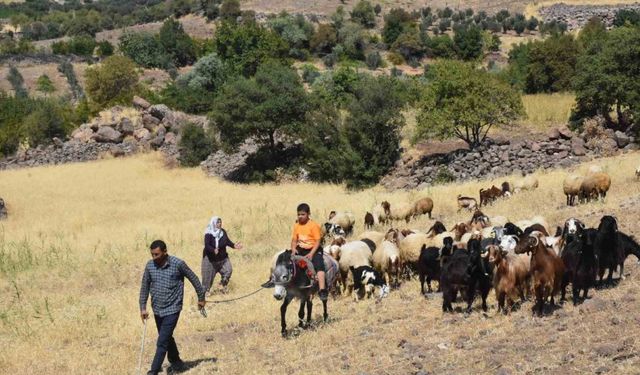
(113, 81)
(463, 102)
(353, 41)
(441, 46)
(45, 85)
(105, 49)
(409, 45)
(468, 42)
(364, 14)
(209, 73)
(245, 46)
(629, 17)
(294, 30)
(324, 39)
(552, 64)
(195, 145)
(594, 31)
(372, 129)
(396, 22)
(17, 82)
(230, 10)
(607, 79)
(518, 68)
(176, 43)
(271, 103)
(82, 45)
(144, 49)
(49, 118)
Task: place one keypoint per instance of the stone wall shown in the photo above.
(561, 148)
(576, 16)
(119, 132)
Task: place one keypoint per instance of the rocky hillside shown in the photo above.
(576, 16)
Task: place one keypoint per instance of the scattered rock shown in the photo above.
(140, 103)
(116, 151)
(621, 139)
(565, 133)
(606, 350)
(125, 126)
(159, 111)
(554, 134)
(107, 134)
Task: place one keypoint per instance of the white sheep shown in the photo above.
(386, 260)
(410, 247)
(529, 182)
(351, 254)
(402, 211)
(344, 219)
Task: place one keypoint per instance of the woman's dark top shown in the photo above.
(210, 245)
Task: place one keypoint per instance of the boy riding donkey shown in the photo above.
(305, 241)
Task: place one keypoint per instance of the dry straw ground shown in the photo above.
(72, 251)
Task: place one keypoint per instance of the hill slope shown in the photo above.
(74, 246)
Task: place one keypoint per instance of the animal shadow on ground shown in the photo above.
(315, 324)
(547, 309)
(188, 365)
(604, 285)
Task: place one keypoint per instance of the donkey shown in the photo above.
(291, 281)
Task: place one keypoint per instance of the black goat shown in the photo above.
(581, 264)
(465, 269)
(430, 263)
(511, 229)
(607, 249)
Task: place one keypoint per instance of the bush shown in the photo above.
(144, 49)
(45, 85)
(187, 99)
(66, 68)
(105, 49)
(176, 44)
(629, 17)
(353, 41)
(468, 43)
(551, 64)
(111, 82)
(310, 73)
(441, 46)
(364, 14)
(395, 23)
(230, 10)
(377, 9)
(209, 73)
(409, 45)
(324, 39)
(194, 146)
(245, 46)
(294, 30)
(47, 120)
(395, 58)
(374, 60)
(17, 82)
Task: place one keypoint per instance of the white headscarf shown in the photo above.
(213, 230)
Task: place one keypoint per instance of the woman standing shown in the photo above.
(214, 256)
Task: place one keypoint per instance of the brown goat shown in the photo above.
(489, 195)
(510, 276)
(368, 220)
(546, 268)
(460, 229)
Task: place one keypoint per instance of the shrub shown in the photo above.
(409, 45)
(144, 49)
(395, 23)
(194, 146)
(324, 39)
(468, 42)
(310, 73)
(105, 49)
(364, 14)
(395, 58)
(17, 82)
(45, 85)
(111, 82)
(66, 68)
(209, 73)
(352, 38)
(374, 60)
(176, 44)
(47, 120)
(628, 17)
(377, 9)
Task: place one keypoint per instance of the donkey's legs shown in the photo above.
(309, 309)
(325, 314)
(283, 314)
(301, 314)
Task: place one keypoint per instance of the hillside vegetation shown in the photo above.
(75, 243)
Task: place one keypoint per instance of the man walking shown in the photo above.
(164, 279)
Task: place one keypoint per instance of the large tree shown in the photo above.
(270, 104)
(461, 101)
(608, 78)
(113, 81)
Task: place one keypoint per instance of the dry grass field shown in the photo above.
(547, 110)
(74, 246)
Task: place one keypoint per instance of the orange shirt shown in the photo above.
(307, 235)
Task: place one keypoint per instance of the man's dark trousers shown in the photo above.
(166, 343)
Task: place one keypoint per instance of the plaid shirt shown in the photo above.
(166, 285)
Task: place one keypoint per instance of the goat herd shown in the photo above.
(518, 260)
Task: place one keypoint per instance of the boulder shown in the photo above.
(535, 146)
(565, 133)
(82, 134)
(554, 134)
(107, 134)
(159, 111)
(139, 102)
(622, 139)
(141, 133)
(149, 122)
(125, 126)
(161, 131)
(116, 151)
(57, 142)
(157, 141)
(170, 138)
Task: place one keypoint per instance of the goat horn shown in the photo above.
(537, 241)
